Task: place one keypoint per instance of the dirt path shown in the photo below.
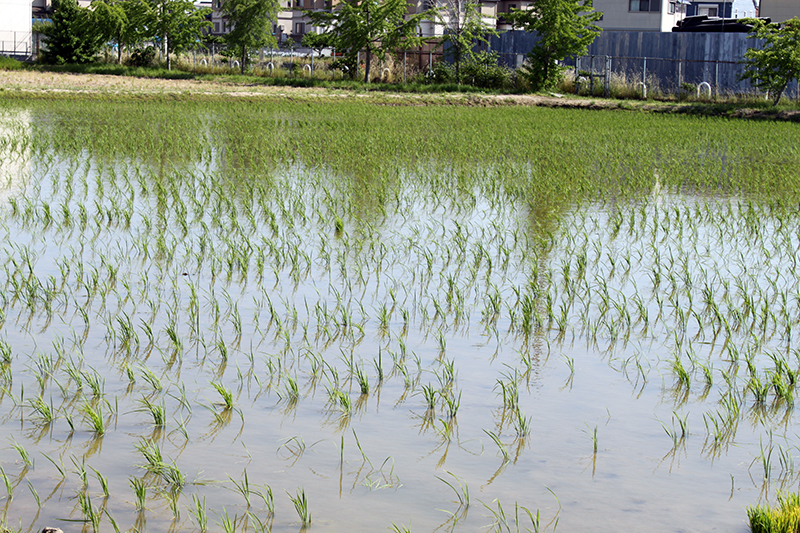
(34, 83)
(43, 83)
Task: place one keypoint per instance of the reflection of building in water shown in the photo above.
(15, 155)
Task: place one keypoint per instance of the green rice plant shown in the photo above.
(90, 514)
(113, 522)
(522, 423)
(451, 403)
(103, 482)
(23, 453)
(342, 400)
(242, 487)
(227, 523)
(363, 380)
(34, 494)
(198, 510)
(461, 492)
(60, 467)
(93, 415)
(430, 393)
(80, 469)
(783, 518)
(139, 492)
(267, 496)
(226, 394)
(6, 356)
(8, 484)
(401, 528)
(291, 390)
(502, 447)
(158, 412)
(301, 506)
(95, 382)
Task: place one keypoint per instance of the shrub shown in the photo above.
(8, 63)
(142, 57)
(482, 71)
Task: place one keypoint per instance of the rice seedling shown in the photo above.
(301, 506)
(90, 513)
(502, 447)
(198, 511)
(225, 394)
(23, 453)
(784, 517)
(139, 492)
(93, 415)
(158, 412)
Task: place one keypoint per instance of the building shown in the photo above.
(780, 10)
(662, 15)
(15, 28)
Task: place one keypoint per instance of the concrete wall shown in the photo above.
(15, 27)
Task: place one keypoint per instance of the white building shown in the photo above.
(15, 28)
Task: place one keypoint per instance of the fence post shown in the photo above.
(591, 75)
(405, 54)
(644, 71)
(680, 75)
(716, 77)
(607, 84)
(430, 60)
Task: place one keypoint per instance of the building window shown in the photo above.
(709, 10)
(216, 27)
(299, 28)
(645, 5)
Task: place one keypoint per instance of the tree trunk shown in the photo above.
(166, 50)
(367, 65)
(119, 49)
(244, 56)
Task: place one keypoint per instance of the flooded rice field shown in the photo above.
(261, 316)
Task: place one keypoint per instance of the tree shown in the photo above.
(73, 35)
(772, 67)
(111, 20)
(464, 26)
(251, 22)
(566, 29)
(178, 24)
(374, 26)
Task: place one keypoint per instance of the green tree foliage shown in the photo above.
(112, 20)
(252, 22)
(373, 26)
(178, 25)
(73, 36)
(464, 26)
(566, 29)
(773, 66)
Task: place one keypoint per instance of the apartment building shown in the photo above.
(780, 10)
(15, 28)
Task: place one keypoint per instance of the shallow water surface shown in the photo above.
(592, 363)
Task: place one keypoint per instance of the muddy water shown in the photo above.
(285, 296)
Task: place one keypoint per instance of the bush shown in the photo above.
(8, 63)
(481, 71)
(142, 57)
